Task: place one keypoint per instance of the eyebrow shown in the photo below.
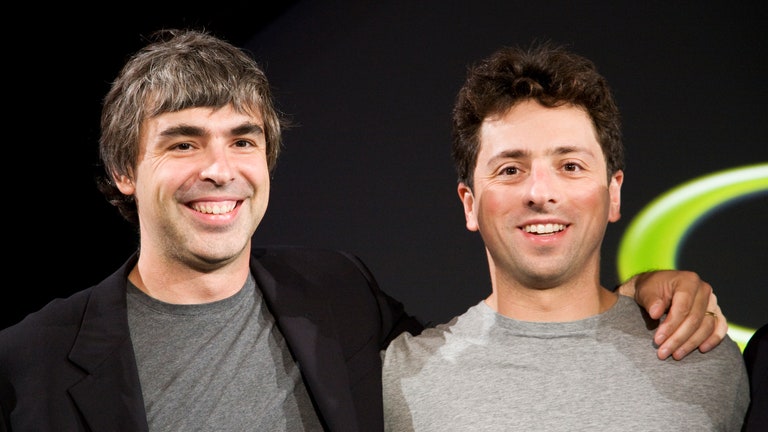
(516, 154)
(196, 131)
(508, 154)
(248, 129)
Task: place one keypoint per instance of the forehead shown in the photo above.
(529, 126)
(223, 115)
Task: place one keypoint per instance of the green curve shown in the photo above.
(653, 238)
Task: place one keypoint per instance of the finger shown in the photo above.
(657, 309)
(721, 326)
(656, 295)
(685, 314)
(684, 328)
(700, 335)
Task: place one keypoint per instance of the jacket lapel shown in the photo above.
(109, 397)
(305, 321)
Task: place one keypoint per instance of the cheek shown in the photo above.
(254, 175)
(162, 177)
(593, 199)
(175, 175)
(496, 201)
(256, 171)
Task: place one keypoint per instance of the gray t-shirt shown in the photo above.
(486, 372)
(220, 366)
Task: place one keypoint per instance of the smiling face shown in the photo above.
(541, 198)
(201, 185)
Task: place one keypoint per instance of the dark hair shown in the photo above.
(179, 69)
(546, 73)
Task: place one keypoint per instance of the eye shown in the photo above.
(243, 143)
(509, 170)
(571, 166)
(183, 146)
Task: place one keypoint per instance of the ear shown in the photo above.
(614, 192)
(468, 201)
(124, 183)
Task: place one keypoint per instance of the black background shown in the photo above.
(370, 86)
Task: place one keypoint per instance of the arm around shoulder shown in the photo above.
(693, 317)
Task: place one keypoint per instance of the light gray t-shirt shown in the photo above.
(220, 366)
(486, 372)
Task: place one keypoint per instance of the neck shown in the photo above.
(177, 282)
(551, 306)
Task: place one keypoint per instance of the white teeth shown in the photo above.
(218, 208)
(544, 229)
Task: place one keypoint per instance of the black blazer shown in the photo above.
(756, 361)
(71, 365)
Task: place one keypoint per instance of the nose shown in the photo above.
(541, 186)
(217, 166)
